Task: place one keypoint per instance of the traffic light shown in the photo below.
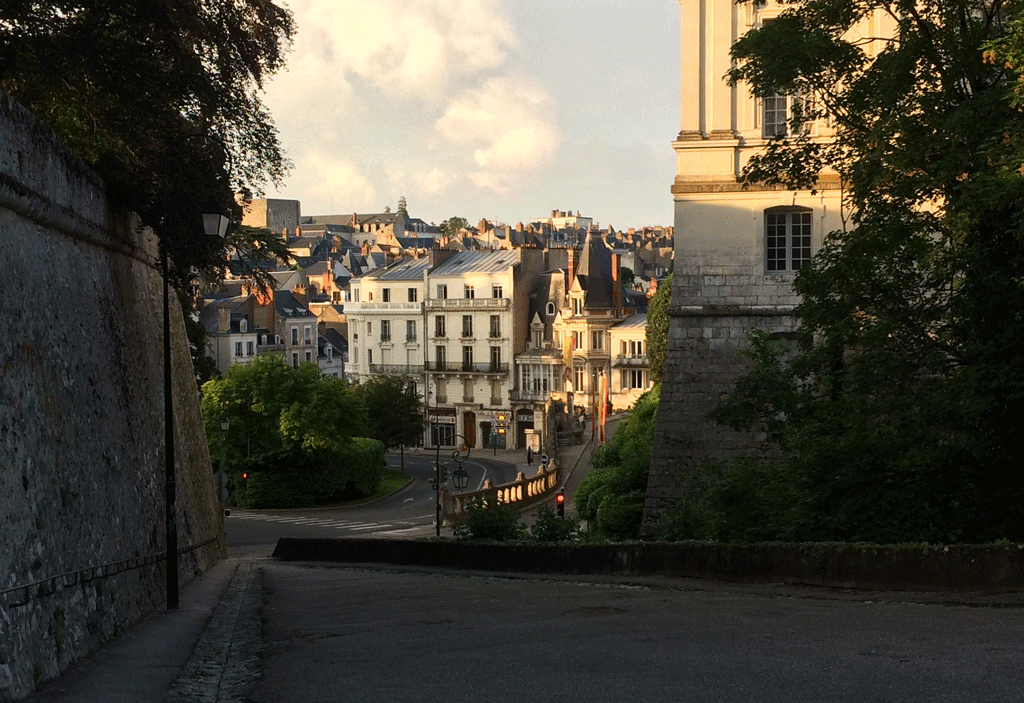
(245, 478)
(560, 502)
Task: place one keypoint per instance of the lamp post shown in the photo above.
(222, 478)
(214, 224)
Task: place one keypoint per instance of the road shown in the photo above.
(409, 512)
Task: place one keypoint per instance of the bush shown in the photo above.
(551, 528)
(488, 519)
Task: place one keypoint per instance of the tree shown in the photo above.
(904, 397)
(394, 409)
(292, 427)
(657, 329)
(403, 207)
(452, 226)
(627, 276)
(160, 99)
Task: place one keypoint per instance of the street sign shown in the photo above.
(544, 460)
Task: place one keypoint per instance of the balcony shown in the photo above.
(463, 367)
(397, 369)
(434, 304)
(381, 308)
(631, 360)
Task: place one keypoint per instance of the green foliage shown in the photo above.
(548, 527)
(657, 329)
(899, 411)
(451, 226)
(292, 431)
(627, 276)
(403, 206)
(161, 99)
(611, 497)
(488, 519)
(394, 409)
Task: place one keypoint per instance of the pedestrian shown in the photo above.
(529, 456)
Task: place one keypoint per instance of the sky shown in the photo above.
(496, 109)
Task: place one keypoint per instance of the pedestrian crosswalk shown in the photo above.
(394, 527)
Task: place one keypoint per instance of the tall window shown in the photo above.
(469, 292)
(442, 291)
(412, 295)
(495, 359)
(467, 358)
(385, 295)
(410, 330)
(439, 326)
(238, 348)
(467, 325)
(306, 337)
(787, 238)
(778, 114)
(597, 340)
(295, 335)
(495, 326)
(439, 355)
(496, 291)
(385, 330)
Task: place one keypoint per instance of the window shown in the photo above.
(442, 435)
(633, 379)
(248, 348)
(467, 358)
(787, 237)
(442, 291)
(309, 356)
(305, 335)
(295, 335)
(385, 330)
(550, 309)
(385, 295)
(369, 328)
(496, 291)
(778, 111)
(412, 295)
(439, 355)
(238, 348)
(597, 340)
(495, 359)
(243, 325)
(577, 340)
(577, 306)
(467, 325)
(538, 337)
(410, 330)
(469, 292)
(369, 357)
(295, 360)
(355, 295)
(495, 326)
(577, 379)
(439, 326)
(467, 391)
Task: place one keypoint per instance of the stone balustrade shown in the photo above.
(522, 490)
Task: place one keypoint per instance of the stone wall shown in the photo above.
(81, 416)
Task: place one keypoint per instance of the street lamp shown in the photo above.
(215, 224)
(461, 478)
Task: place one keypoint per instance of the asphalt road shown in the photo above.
(409, 512)
(361, 635)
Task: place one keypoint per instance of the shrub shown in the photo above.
(551, 528)
(488, 519)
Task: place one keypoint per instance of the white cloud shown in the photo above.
(406, 48)
(324, 176)
(510, 125)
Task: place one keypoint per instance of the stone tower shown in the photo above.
(736, 247)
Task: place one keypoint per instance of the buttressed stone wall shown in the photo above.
(82, 489)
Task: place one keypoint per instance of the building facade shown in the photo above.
(737, 246)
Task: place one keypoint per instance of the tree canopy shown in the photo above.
(394, 410)
(903, 401)
(160, 98)
(451, 226)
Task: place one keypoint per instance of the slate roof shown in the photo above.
(287, 305)
(477, 262)
(594, 272)
(401, 270)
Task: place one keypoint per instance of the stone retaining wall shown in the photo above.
(81, 416)
(987, 569)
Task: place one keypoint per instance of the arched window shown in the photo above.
(549, 309)
(787, 238)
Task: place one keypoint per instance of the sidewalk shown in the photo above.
(206, 650)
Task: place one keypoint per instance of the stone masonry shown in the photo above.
(81, 416)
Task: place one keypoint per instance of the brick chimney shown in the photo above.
(438, 256)
(224, 318)
(617, 284)
(571, 266)
(299, 291)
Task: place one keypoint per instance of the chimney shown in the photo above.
(224, 318)
(617, 284)
(571, 266)
(299, 291)
(438, 256)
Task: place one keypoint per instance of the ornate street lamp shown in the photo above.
(215, 224)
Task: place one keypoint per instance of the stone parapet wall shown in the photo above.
(81, 416)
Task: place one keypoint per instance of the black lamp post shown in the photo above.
(215, 224)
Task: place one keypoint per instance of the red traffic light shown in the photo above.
(245, 475)
(560, 498)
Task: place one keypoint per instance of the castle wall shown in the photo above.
(81, 416)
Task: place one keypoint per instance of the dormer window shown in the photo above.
(549, 309)
(243, 325)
